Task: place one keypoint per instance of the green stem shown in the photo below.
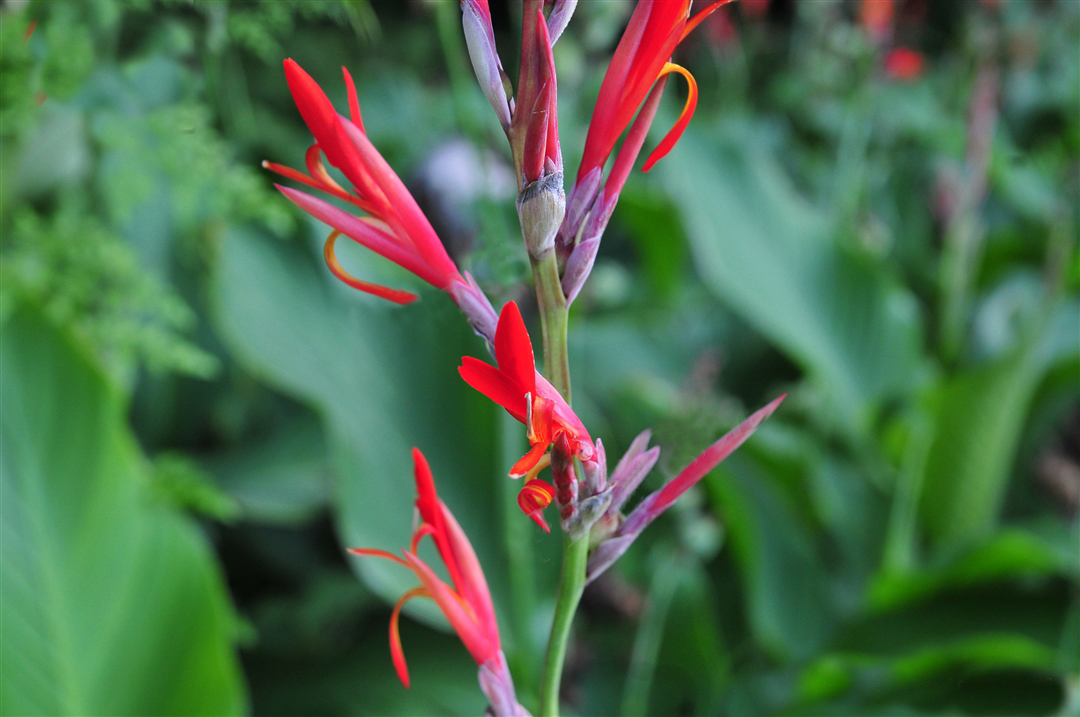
(553, 313)
(571, 585)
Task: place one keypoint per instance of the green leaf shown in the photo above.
(282, 478)
(765, 251)
(980, 415)
(773, 551)
(111, 602)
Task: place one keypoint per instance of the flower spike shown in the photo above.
(395, 228)
(631, 85)
(465, 601)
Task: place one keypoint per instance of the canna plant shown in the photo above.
(561, 231)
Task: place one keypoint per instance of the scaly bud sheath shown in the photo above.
(656, 503)
(565, 479)
(541, 200)
(480, 39)
(465, 601)
(541, 206)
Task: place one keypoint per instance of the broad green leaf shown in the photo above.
(280, 479)
(765, 251)
(110, 602)
(980, 415)
(773, 551)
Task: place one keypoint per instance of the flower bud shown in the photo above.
(541, 206)
(480, 40)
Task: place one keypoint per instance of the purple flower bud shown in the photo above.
(474, 303)
(578, 203)
(595, 478)
(578, 268)
(631, 470)
(498, 687)
(480, 39)
(656, 503)
(559, 18)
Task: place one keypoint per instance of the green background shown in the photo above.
(197, 419)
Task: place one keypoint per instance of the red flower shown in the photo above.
(466, 601)
(903, 63)
(641, 58)
(395, 228)
(527, 396)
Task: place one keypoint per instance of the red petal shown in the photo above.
(533, 498)
(397, 654)
(494, 384)
(395, 295)
(711, 457)
(673, 135)
(513, 348)
(527, 461)
(354, 104)
(427, 502)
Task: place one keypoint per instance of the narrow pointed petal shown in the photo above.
(559, 18)
(474, 587)
(397, 653)
(383, 292)
(627, 478)
(513, 348)
(480, 41)
(477, 641)
(675, 133)
(494, 384)
(432, 513)
(373, 553)
(314, 106)
(527, 461)
(578, 268)
(656, 503)
(354, 103)
(712, 456)
(696, 20)
(362, 232)
(414, 223)
(635, 140)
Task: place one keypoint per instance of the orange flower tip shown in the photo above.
(538, 518)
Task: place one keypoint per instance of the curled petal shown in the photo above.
(373, 553)
(529, 461)
(395, 295)
(533, 498)
(675, 132)
(397, 653)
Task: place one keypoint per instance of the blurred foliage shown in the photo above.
(190, 402)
